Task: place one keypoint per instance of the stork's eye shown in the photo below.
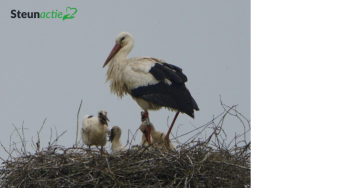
(122, 39)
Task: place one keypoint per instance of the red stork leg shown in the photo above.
(148, 125)
(170, 128)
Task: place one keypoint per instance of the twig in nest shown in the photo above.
(78, 113)
(38, 132)
(5, 149)
(25, 144)
(58, 137)
(22, 141)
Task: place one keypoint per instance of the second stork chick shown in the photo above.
(115, 136)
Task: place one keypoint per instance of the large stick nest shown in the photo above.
(209, 163)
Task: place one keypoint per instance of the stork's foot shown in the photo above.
(89, 151)
(167, 142)
(102, 151)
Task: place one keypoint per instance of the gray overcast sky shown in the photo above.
(47, 66)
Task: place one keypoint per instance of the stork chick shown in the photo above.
(94, 130)
(115, 136)
(157, 137)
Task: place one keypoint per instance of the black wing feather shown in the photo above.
(157, 72)
(173, 67)
(178, 71)
(171, 72)
(175, 95)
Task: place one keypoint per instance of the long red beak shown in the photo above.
(148, 133)
(115, 50)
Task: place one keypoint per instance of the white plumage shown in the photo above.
(115, 139)
(94, 130)
(131, 74)
(151, 82)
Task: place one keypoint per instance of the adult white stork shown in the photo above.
(151, 82)
(94, 130)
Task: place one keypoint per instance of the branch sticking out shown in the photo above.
(38, 132)
(78, 114)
